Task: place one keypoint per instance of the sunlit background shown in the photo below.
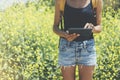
(6, 3)
(29, 48)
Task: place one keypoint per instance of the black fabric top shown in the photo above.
(78, 17)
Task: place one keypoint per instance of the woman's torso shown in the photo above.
(78, 16)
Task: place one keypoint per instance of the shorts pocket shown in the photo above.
(66, 45)
(90, 46)
(91, 49)
(62, 44)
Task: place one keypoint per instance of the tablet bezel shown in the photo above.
(81, 31)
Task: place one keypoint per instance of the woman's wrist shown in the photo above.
(58, 31)
(62, 34)
(96, 29)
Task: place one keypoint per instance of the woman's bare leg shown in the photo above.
(86, 72)
(68, 72)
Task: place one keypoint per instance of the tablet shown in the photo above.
(83, 32)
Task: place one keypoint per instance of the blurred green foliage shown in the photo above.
(29, 48)
(115, 4)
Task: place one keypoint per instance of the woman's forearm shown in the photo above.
(58, 31)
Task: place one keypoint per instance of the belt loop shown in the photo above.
(84, 44)
(68, 44)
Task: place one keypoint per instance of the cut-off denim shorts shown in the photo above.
(77, 53)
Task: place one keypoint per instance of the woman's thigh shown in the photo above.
(86, 72)
(68, 72)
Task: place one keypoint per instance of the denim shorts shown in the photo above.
(77, 53)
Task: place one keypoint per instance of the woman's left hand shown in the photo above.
(89, 26)
(95, 29)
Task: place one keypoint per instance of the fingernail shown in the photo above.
(74, 33)
(67, 31)
(78, 34)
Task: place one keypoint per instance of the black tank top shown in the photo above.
(78, 17)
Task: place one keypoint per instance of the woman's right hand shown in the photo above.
(70, 37)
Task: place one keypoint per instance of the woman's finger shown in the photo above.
(73, 36)
(91, 25)
(86, 25)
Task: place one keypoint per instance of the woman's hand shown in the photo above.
(70, 37)
(95, 29)
(89, 26)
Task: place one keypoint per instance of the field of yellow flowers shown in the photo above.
(29, 48)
